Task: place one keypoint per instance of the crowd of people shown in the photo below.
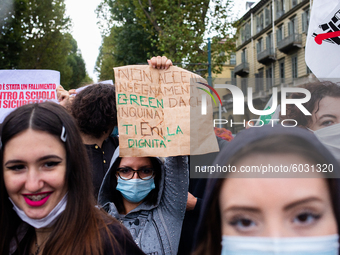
(64, 189)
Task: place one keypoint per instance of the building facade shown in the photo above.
(270, 51)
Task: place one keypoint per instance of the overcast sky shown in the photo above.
(85, 30)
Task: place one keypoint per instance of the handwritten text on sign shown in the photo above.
(154, 110)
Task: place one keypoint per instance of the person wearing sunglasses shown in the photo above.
(148, 195)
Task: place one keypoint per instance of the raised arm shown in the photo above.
(176, 183)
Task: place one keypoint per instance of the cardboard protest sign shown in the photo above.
(159, 113)
(323, 39)
(20, 87)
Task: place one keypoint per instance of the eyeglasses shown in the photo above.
(127, 173)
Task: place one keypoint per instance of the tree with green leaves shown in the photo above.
(76, 62)
(178, 28)
(12, 15)
(34, 35)
(125, 43)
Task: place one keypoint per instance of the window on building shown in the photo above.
(233, 59)
(282, 70)
(294, 3)
(233, 77)
(294, 66)
(244, 56)
(269, 42)
(280, 8)
(247, 31)
(279, 33)
(267, 15)
(269, 78)
(259, 45)
(305, 20)
(259, 22)
(244, 83)
(292, 26)
(259, 81)
(243, 35)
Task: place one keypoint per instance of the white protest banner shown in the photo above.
(159, 113)
(110, 82)
(323, 39)
(20, 87)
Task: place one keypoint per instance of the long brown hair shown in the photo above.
(81, 228)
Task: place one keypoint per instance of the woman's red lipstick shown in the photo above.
(39, 202)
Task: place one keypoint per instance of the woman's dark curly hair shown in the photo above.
(94, 109)
(318, 91)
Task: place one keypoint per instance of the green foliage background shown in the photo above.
(139, 29)
(35, 35)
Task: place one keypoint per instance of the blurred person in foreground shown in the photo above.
(277, 215)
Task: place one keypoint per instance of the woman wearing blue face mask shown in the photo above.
(149, 198)
(278, 216)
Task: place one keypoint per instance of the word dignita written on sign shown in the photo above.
(145, 130)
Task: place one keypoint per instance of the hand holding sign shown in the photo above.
(159, 112)
(160, 62)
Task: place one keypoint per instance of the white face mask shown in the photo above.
(315, 245)
(46, 221)
(330, 138)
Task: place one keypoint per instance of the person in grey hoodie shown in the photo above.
(149, 198)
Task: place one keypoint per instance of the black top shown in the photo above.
(100, 158)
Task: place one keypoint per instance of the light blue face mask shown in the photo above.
(316, 245)
(135, 190)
